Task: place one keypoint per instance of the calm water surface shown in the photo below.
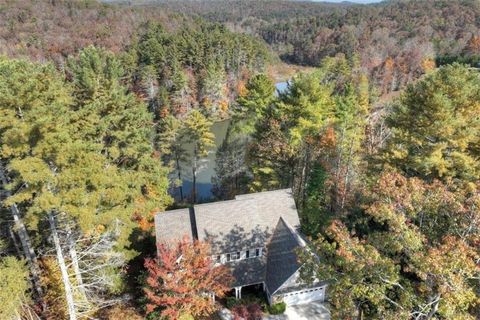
(207, 168)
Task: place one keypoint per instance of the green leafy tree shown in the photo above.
(87, 160)
(252, 104)
(409, 251)
(315, 211)
(170, 146)
(197, 130)
(435, 126)
(14, 283)
(117, 123)
(361, 277)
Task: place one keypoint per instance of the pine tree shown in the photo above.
(197, 130)
(170, 146)
(252, 105)
(435, 126)
(14, 284)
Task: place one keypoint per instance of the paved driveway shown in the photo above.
(308, 311)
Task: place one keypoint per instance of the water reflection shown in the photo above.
(207, 165)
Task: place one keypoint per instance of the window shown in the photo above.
(237, 255)
(247, 254)
(257, 252)
(218, 258)
(228, 257)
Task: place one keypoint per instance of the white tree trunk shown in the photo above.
(63, 269)
(15, 242)
(24, 240)
(76, 268)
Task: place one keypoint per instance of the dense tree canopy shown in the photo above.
(14, 284)
(395, 41)
(101, 105)
(435, 126)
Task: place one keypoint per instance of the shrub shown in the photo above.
(277, 308)
(230, 302)
(247, 312)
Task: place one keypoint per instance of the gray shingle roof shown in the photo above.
(282, 260)
(247, 222)
(272, 205)
(173, 225)
(231, 225)
(248, 271)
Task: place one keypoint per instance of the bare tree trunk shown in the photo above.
(194, 173)
(303, 178)
(76, 268)
(346, 178)
(434, 308)
(360, 314)
(24, 240)
(179, 174)
(15, 242)
(194, 184)
(63, 269)
(394, 82)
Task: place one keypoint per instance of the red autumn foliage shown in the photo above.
(183, 277)
(247, 312)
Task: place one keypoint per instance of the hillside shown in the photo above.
(395, 41)
(351, 131)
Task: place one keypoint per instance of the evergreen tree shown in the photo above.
(117, 123)
(252, 105)
(170, 145)
(88, 160)
(197, 130)
(14, 284)
(435, 126)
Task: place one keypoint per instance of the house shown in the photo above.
(256, 235)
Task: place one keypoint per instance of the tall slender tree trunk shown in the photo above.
(179, 175)
(63, 269)
(15, 242)
(24, 240)
(305, 171)
(434, 309)
(360, 313)
(337, 173)
(194, 182)
(346, 180)
(72, 250)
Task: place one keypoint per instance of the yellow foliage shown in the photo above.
(428, 65)
(54, 291)
(223, 105)
(241, 88)
(119, 312)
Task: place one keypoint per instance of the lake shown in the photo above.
(207, 166)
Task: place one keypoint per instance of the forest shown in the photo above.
(378, 137)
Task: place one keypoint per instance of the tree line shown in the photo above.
(87, 153)
(387, 191)
(395, 41)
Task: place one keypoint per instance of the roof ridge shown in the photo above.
(261, 192)
(295, 234)
(220, 202)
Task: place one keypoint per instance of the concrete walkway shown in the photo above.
(309, 311)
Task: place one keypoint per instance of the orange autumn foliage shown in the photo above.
(183, 277)
(474, 45)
